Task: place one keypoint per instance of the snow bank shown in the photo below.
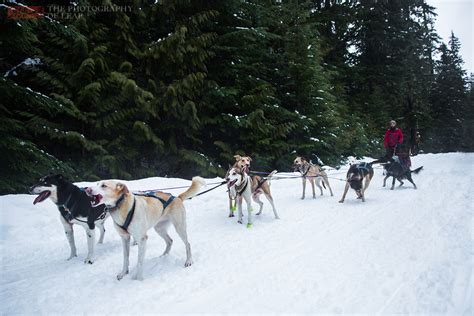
(403, 251)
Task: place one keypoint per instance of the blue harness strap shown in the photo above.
(364, 166)
(129, 218)
(152, 195)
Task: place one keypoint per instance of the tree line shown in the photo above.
(177, 87)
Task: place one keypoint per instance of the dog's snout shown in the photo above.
(30, 189)
(88, 190)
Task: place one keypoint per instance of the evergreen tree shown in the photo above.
(177, 87)
(35, 138)
(393, 71)
(449, 102)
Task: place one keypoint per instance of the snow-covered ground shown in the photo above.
(402, 251)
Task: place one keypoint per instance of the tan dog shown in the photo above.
(311, 173)
(259, 186)
(135, 214)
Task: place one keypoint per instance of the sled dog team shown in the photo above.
(134, 214)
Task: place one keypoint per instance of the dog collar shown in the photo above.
(117, 204)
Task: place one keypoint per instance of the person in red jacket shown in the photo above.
(393, 138)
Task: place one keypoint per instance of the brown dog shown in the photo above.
(262, 185)
(311, 172)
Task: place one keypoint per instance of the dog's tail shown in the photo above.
(196, 185)
(270, 175)
(417, 170)
(380, 160)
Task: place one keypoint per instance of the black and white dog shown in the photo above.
(75, 207)
(394, 168)
(358, 178)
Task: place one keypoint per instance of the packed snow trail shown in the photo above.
(402, 251)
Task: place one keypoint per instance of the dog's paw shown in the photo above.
(258, 213)
(249, 225)
(71, 256)
(188, 263)
(302, 197)
(239, 221)
(231, 215)
(341, 201)
(88, 261)
(121, 275)
(277, 217)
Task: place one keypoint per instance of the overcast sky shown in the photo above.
(456, 16)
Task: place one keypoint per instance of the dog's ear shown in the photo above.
(250, 159)
(122, 188)
(237, 157)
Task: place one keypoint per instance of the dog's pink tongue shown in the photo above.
(41, 197)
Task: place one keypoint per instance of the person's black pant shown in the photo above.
(389, 152)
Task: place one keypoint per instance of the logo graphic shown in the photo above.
(18, 12)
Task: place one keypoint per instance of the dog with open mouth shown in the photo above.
(75, 207)
(135, 213)
(244, 187)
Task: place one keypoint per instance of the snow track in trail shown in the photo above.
(402, 251)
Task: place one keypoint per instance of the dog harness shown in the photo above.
(152, 195)
(239, 192)
(304, 175)
(364, 166)
(129, 217)
(260, 183)
(307, 170)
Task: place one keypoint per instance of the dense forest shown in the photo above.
(132, 89)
